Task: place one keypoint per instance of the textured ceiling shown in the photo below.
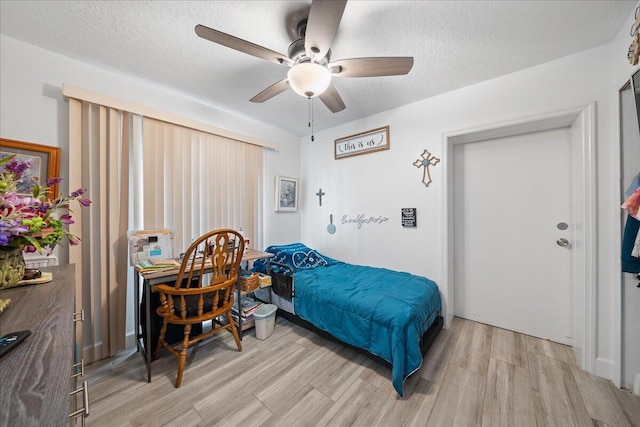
(454, 43)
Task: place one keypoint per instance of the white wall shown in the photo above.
(384, 182)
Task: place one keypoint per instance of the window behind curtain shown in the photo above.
(142, 174)
(193, 182)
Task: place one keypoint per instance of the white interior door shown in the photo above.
(511, 199)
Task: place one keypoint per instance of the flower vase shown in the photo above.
(11, 266)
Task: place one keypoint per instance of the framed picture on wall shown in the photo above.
(286, 194)
(44, 163)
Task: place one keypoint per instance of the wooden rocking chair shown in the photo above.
(216, 254)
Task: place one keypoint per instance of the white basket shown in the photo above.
(37, 261)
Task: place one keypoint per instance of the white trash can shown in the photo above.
(265, 319)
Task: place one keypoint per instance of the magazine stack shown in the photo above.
(247, 307)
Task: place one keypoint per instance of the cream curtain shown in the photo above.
(143, 173)
(194, 182)
(100, 144)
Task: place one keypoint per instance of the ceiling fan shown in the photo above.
(309, 57)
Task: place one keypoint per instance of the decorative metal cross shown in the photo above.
(320, 193)
(427, 159)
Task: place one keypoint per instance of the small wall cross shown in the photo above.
(320, 193)
(426, 159)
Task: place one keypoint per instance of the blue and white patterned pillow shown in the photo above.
(311, 259)
(296, 255)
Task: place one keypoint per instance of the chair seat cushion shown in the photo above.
(192, 304)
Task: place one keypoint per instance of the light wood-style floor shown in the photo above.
(474, 375)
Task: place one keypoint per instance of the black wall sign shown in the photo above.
(409, 217)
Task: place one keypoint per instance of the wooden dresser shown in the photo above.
(36, 376)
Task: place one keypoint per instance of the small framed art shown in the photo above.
(287, 193)
(44, 163)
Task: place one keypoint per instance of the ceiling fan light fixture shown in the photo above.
(309, 79)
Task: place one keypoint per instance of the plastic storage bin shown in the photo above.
(265, 319)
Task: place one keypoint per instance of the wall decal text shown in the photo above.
(361, 219)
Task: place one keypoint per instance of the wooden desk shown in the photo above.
(150, 278)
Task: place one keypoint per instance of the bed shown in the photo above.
(391, 314)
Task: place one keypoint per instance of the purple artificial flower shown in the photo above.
(26, 201)
(53, 181)
(66, 219)
(10, 200)
(79, 192)
(10, 228)
(44, 207)
(33, 222)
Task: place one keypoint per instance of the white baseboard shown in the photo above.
(636, 385)
(578, 354)
(130, 340)
(604, 368)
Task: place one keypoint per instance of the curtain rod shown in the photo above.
(108, 101)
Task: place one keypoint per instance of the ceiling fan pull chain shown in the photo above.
(311, 117)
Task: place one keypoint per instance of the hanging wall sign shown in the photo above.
(409, 217)
(362, 143)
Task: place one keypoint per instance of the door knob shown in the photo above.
(562, 242)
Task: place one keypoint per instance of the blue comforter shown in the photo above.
(382, 311)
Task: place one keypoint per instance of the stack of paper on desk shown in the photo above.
(157, 264)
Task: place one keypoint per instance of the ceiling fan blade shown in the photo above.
(332, 100)
(241, 45)
(322, 26)
(271, 91)
(372, 67)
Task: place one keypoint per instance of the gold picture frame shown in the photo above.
(362, 143)
(44, 159)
